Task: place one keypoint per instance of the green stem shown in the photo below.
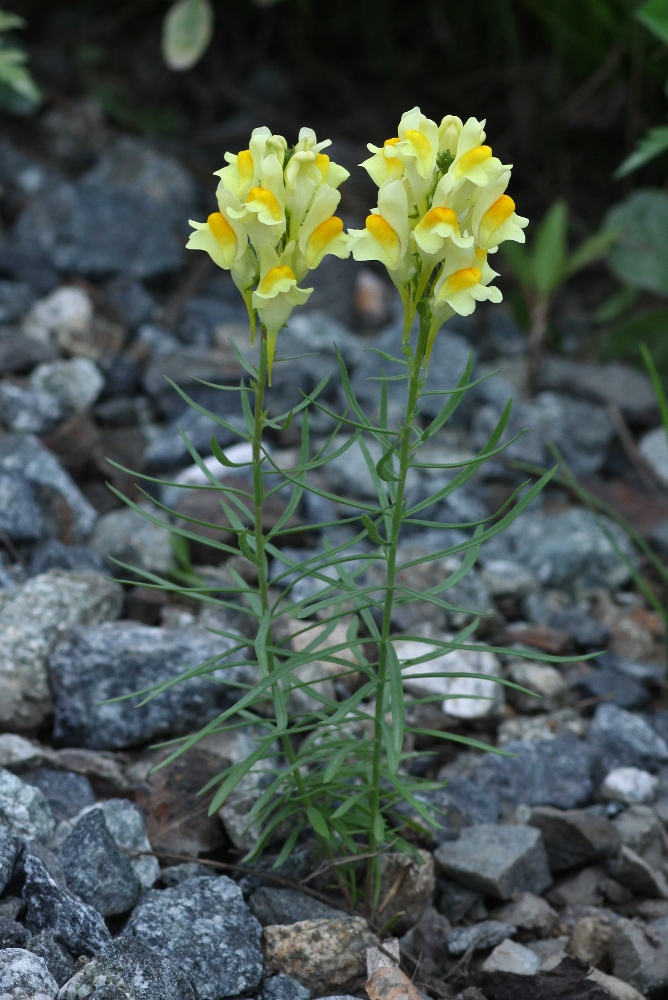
(391, 556)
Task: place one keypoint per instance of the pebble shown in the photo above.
(32, 411)
(24, 810)
(320, 954)
(96, 868)
(128, 968)
(618, 738)
(478, 937)
(653, 447)
(54, 908)
(590, 942)
(496, 860)
(65, 311)
(66, 793)
(574, 837)
(554, 772)
(463, 698)
(509, 956)
(20, 516)
(630, 785)
(75, 383)
(66, 511)
(204, 927)
(283, 988)
(33, 618)
(125, 535)
(614, 688)
(288, 906)
(528, 913)
(57, 555)
(16, 298)
(57, 960)
(127, 825)
(24, 976)
(631, 870)
(120, 658)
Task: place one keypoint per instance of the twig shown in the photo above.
(648, 476)
(11, 548)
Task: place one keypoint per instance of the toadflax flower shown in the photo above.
(442, 208)
(275, 222)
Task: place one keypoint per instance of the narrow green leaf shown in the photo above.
(549, 251)
(372, 531)
(318, 822)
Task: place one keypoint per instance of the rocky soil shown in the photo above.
(549, 875)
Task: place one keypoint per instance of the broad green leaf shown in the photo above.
(654, 15)
(594, 248)
(652, 144)
(640, 256)
(9, 21)
(186, 33)
(549, 250)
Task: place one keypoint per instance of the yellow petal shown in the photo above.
(383, 232)
(441, 215)
(473, 158)
(459, 282)
(224, 234)
(322, 163)
(274, 278)
(261, 197)
(496, 215)
(421, 146)
(323, 235)
(245, 166)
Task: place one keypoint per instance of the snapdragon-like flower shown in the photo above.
(442, 207)
(275, 222)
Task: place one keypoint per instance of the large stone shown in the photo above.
(628, 388)
(574, 837)
(57, 959)
(51, 907)
(126, 536)
(33, 411)
(323, 955)
(66, 793)
(406, 888)
(638, 876)
(128, 969)
(96, 868)
(24, 812)
(24, 976)
(126, 824)
(116, 659)
(637, 958)
(33, 618)
(621, 739)
(57, 555)
(10, 852)
(204, 927)
(497, 860)
(463, 697)
(66, 511)
(549, 772)
(20, 517)
(288, 906)
(97, 229)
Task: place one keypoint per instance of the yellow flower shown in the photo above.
(463, 281)
(276, 295)
(386, 232)
(384, 165)
(449, 132)
(322, 231)
(494, 218)
(438, 225)
(418, 145)
(221, 236)
(474, 160)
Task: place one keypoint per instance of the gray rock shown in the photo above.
(97, 229)
(176, 874)
(497, 860)
(528, 913)
(629, 389)
(53, 908)
(130, 164)
(20, 354)
(636, 958)
(133, 303)
(287, 906)
(126, 824)
(581, 430)
(96, 868)
(620, 739)
(33, 618)
(99, 663)
(629, 785)
(24, 976)
(12, 934)
(132, 539)
(585, 632)
(10, 851)
(128, 969)
(460, 803)
(509, 956)
(75, 383)
(572, 548)
(479, 937)
(66, 793)
(638, 876)
(16, 299)
(57, 555)
(654, 448)
(455, 902)
(65, 509)
(613, 688)
(575, 837)
(168, 449)
(20, 516)
(204, 927)
(34, 411)
(24, 811)
(548, 772)
(640, 828)
(57, 960)
(283, 988)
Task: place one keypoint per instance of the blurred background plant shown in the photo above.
(18, 91)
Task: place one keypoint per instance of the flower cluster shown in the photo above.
(442, 208)
(275, 222)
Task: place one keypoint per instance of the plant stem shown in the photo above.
(391, 557)
(536, 345)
